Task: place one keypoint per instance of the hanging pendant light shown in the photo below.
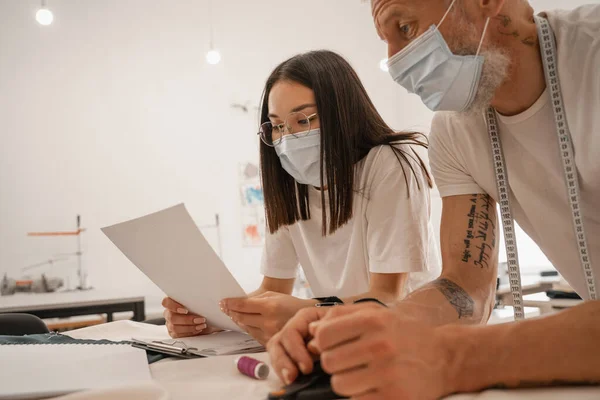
(44, 16)
(213, 57)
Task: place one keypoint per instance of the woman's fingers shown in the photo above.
(209, 330)
(184, 335)
(184, 325)
(174, 306)
(190, 330)
(178, 319)
(252, 320)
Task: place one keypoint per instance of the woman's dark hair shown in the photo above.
(350, 128)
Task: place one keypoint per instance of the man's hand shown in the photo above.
(264, 315)
(370, 350)
(287, 349)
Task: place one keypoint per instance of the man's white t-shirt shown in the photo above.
(389, 232)
(461, 157)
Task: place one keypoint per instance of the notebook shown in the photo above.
(217, 344)
(49, 370)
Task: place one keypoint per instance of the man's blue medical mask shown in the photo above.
(427, 67)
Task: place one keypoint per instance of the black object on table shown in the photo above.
(314, 386)
(559, 294)
(17, 324)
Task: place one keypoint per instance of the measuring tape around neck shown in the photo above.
(508, 224)
(567, 153)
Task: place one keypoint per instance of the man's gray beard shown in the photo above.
(494, 72)
(496, 62)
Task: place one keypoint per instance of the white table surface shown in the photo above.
(542, 300)
(48, 301)
(217, 377)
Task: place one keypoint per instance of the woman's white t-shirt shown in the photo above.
(389, 232)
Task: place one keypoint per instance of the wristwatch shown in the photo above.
(329, 301)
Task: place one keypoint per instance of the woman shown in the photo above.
(364, 234)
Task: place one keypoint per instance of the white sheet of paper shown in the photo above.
(169, 248)
(49, 370)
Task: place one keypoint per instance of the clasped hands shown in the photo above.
(370, 351)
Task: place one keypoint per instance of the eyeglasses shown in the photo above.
(296, 124)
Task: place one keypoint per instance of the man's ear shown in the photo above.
(490, 8)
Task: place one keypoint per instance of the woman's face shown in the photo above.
(292, 109)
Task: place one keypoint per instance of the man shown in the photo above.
(426, 346)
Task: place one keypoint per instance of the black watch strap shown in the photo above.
(369, 300)
(328, 301)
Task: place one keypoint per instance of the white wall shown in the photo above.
(111, 112)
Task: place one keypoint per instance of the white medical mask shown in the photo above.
(301, 157)
(427, 67)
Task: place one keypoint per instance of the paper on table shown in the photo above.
(169, 248)
(48, 370)
(217, 344)
(119, 331)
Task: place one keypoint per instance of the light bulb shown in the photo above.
(213, 57)
(44, 16)
(383, 65)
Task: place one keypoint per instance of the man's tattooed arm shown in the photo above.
(479, 246)
(481, 227)
(464, 292)
(558, 350)
(456, 296)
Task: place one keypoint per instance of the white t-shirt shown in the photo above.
(461, 157)
(389, 232)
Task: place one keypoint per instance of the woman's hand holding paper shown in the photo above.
(264, 315)
(181, 323)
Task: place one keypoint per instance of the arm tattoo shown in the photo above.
(506, 29)
(482, 228)
(457, 296)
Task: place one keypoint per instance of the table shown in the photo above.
(70, 304)
(529, 285)
(217, 377)
(548, 305)
(534, 294)
(507, 314)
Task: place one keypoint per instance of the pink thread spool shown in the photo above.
(251, 367)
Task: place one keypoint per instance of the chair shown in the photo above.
(21, 324)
